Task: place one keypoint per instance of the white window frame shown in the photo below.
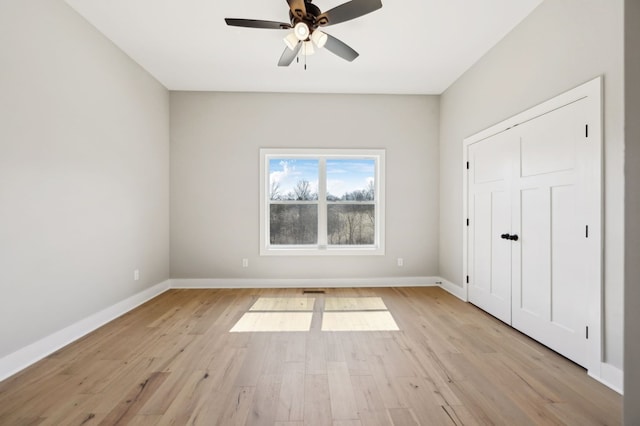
(322, 248)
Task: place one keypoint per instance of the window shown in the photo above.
(319, 202)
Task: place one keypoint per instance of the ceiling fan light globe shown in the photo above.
(319, 38)
(307, 49)
(291, 40)
(301, 30)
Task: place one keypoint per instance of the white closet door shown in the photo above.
(548, 215)
(489, 256)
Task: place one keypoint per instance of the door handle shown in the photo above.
(509, 237)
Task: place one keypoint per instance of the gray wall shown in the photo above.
(562, 44)
(632, 213)
(215, 142)
(84, 172)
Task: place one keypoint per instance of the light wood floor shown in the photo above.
(173, 361)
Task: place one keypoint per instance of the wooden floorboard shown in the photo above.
(173, 361)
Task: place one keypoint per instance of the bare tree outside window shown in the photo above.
(351, 216)
(275, 191)
(293, 211)
(294, 224)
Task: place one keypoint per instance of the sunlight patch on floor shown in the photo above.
(354, 304)
(358, 321)
(273, 321)
(283, 304)
(282, 314)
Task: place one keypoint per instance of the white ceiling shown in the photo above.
(407, 47)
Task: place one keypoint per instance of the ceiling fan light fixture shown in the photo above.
(319, 38)
(307, 48)
(301, 30)
(291, 40)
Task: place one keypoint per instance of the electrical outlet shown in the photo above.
(245, 263)
(136, 275)
(400, 261)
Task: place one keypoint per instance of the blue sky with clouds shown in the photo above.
(343, 175)
(349, 175)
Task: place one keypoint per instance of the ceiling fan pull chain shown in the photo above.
(304, 46)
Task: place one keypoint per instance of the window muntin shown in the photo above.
(322, 201)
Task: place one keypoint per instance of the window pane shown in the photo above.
(351, 224)
(351, 180)
(293, 179)
(294, 224)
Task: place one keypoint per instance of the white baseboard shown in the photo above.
(610, 376)
(22, 358)
(454, 289)
(304, 282)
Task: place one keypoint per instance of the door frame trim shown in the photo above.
(592, 89)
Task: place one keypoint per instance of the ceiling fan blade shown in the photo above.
(339, 48)
(257, 23)
(298, 9)
(348, 11)
(289, 55)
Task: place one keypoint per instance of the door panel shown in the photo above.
(482, 259)
(489, 256)
(548, 144)
(488, 159)
(533, 296)
(565, 262)
(548, 301)
(501, 251)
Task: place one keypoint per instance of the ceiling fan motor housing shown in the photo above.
(312, 18)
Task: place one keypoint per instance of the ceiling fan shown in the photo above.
(305, 21)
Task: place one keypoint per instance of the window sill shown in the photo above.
(321, 251)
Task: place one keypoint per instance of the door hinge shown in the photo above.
(467, 165)
(467, 279)
(467, 222)
(587, 332)
(586, 131)
(586, 231)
